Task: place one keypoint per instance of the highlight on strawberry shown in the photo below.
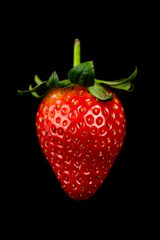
(81, 125)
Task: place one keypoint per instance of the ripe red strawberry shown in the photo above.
(80, 136)
(81, 126)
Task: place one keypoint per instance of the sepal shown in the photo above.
(121, 84)
(82, 74)
(100, 92)
(43, 87)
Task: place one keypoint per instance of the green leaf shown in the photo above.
(100, 92)
(82, 74)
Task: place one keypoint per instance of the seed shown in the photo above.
(81, 110)
(108, 140)
(113, 131)
(79, 179)
(108, 148)
(102, 143)
(54, 99)
(80, 92)
(100, 153)
(82, 188)
(90, 180)
(41, 119)
(69, 147)
(58, 120)
(72, 129)
(96, 111)
(74, 172)
(67, 179)
(67, 136)
(65, 123)
(96, 169)
(67, 99)
(76, 140)
(93, 161)
(117, 122)
(80, 124)
(60, 142)
(112, 116)
(45, 132)
(75, 103)
(99, 120)
(88, 120)
(60, 152)
(68, 158)
(104, 112)
(64, 111)
(53, 129)
(60, 131)
(102, 131)
(59, 162)
(77, 164)
(73, 185)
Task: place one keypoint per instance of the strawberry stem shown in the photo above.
(76, 53)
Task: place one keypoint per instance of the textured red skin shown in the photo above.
(81, 137)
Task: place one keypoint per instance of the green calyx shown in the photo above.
(82, 74)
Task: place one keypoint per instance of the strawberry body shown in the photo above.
(81, 137)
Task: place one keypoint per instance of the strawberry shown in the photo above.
(81, 126)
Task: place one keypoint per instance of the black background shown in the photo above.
(42, 42)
